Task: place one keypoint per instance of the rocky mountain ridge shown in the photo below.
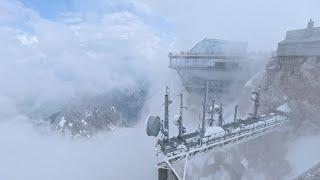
(85, 117)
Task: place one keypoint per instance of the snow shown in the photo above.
(112, 126)
(213, 130)
(284, 108)
(84, 122)
(62, 121)
(27, 40)
(285, 97)
(244, 162)
(252, 80)
(87, 114)
(175, 119)
(112, 108)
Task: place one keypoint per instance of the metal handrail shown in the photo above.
(225, 136)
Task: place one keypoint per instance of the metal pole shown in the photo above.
(212, 113)
(235, 114)
(220, 116)
(180, 120)
(204, 110)
(256, 100)
(185, 167)
(166, 114)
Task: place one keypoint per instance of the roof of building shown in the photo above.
(311, 33)
(216, 46)
(301, 42)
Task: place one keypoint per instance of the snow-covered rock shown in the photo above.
(85, 117)
(284, 108)
(214, 130)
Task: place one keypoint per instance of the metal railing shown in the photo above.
(204, 63)
(219, 139)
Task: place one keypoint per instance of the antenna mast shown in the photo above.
(203, 128)
(235, 113)
(212, 114)
(220, 122)
(182, 129)
(256, 100)
(166, 114)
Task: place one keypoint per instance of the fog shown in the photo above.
(301, 154)
(246, 20)
(47, 63)
(29, 153)
(48, 60)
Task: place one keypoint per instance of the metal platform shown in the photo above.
(223, 63)
(217, 141)
(185, 145)
(311, 174)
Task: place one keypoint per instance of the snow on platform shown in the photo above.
(284, 108)
(214, 130)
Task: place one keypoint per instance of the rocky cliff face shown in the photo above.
(297, 83)
(85, 117)
(294, 82)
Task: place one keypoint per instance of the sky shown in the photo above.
(53, 51)
(259, 22)
(262, 23)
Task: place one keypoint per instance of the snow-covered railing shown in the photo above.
(209, 53)
(187, 145)
(231, 134)
(204, 63)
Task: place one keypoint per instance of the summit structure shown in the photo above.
(299, 46)
(301, 43)
(218, 63)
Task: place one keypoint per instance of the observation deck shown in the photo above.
(221, 63)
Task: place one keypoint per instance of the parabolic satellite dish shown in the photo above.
(153, 126)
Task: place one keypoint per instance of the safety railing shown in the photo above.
(227, 136)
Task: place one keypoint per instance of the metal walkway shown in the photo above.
(311, 174)
(215, 142)
(185, 146)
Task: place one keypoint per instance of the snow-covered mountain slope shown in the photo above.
(279, 155)
(296, 84)
(118, 108)
(293, 86)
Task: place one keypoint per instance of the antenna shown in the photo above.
(166, 114)
(256, 99)
(235, 113)
(203, 129)
(186, 145)
(212, 114)
(182, 129)
(220, 121)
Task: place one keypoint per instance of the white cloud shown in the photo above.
(56, 61)
(14, 11)
(52, 61)
(261, 23)
(27, 40)
(34, 155)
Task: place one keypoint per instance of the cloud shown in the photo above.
(13, 11)
(45, 63)
(32, 154)
(54, 61)
(261, 23)
(301, 154)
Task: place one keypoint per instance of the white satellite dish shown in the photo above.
(153, 126)
(176, 119)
